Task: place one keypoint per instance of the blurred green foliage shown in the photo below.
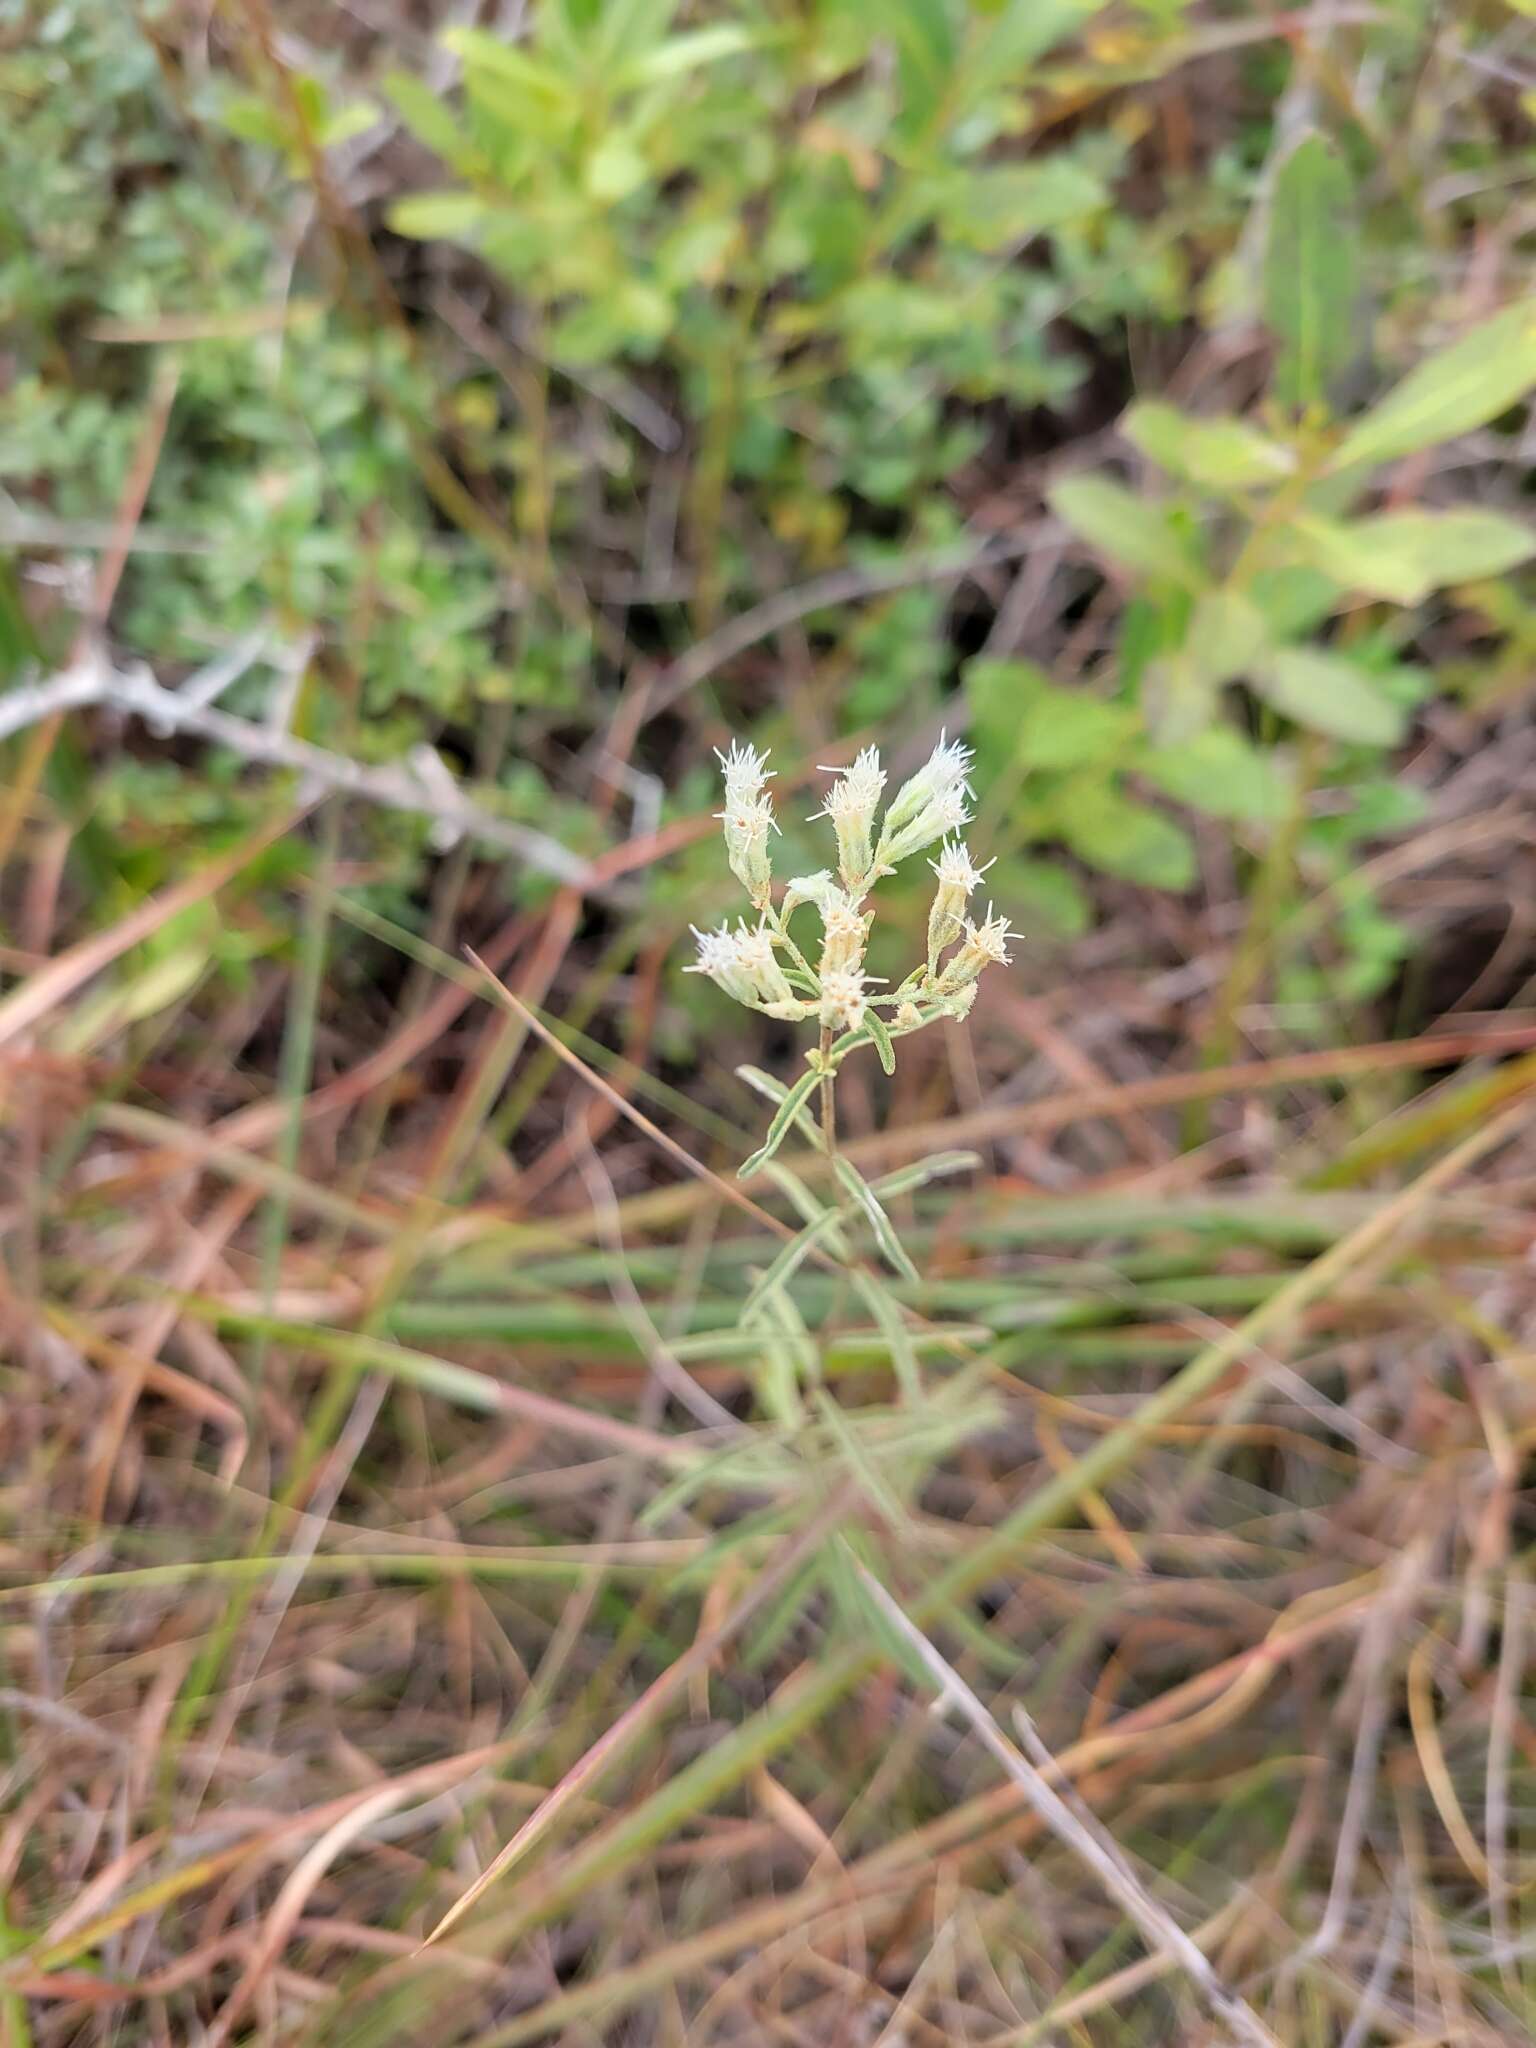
(664, 308)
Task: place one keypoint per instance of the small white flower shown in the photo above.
(748, 821)
(932, 803)
(719, 957)
(754, 949)
(957, 876)
(986, 944)
(842, 999)
(955, 868)
(991, 937)
(851, 803)
(859, 785)
(744, 964)
(819, 889)
(846, 932)
(745, 770)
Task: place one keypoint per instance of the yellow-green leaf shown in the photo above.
(1328, 694)
(1220, 454)
(1130, 531)
(1462, 387)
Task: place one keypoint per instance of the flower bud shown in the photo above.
(908, 1017)
(818, 889)
(851, 804)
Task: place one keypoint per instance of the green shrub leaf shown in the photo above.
(1311, 270)
(1220, 772)
(1462, 387)
(1328, 694)
(1219, 455)
(1137, 534)
(1405, 555)
(1115, 833)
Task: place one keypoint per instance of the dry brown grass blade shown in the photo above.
(723, 1188)
(697, 1657)
(1171, 1091)
(26, 1006)
(52, 1950)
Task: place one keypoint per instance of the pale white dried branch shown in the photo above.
(399, 786)
(1072, 1823)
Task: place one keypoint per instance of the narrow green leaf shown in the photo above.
(426, 115)
(1112, 519)
(486, 57)
(1220, 454)
(1358, 555)
(907, 1179)
(888, 1315)
(779, 1129)
(788, 1358)
(439, 216)
(788, 1260)
(1311, 272)
(1328, 694)
(882, 1038)
(689, 52)
(884, 1231)
(1462, 387)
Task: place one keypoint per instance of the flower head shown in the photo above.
(818, 889)
(957, 877)
(955, 868)
(932, 803)
(744, 964)
(850, 804)
(748, 819)
(986, 944)
(719, 956)
(991, 937)
(846, 931)
(842, 999)
(745, 769)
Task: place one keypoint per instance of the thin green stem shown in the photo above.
(828, 1099)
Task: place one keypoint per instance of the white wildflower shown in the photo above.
(719, 957)
(851, 804)
(748, 822)
(744, 964)
(745, 769)
(932, 803)
(819, 889)
(754, 950)
(957, 877)
(842, 999)
(846, 933)
(985, 944)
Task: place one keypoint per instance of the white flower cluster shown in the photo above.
(763, 967)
